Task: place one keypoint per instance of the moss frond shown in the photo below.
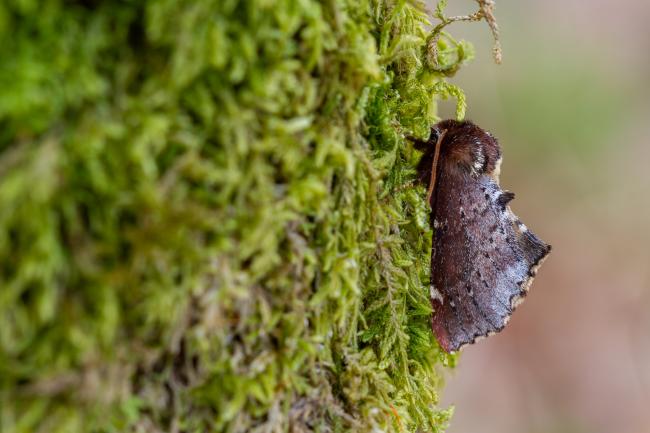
(198, 223)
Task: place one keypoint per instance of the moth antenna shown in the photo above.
(436, 154)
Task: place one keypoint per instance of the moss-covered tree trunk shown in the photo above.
(199, 223)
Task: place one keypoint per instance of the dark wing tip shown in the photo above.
(536, 252)
(536, 257)
(534, 249)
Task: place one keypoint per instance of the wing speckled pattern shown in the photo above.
(483, 258)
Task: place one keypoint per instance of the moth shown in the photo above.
(483, 258)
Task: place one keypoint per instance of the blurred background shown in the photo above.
(570, 105)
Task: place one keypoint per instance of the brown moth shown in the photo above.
(483, 258)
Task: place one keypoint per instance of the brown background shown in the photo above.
(570, 105)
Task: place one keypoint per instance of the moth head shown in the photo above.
(469, 147)
(463, 146)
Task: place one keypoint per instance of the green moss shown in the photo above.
(198, 230)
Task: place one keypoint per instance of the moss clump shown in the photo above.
(197, 230)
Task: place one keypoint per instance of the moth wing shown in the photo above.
(483, 259)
